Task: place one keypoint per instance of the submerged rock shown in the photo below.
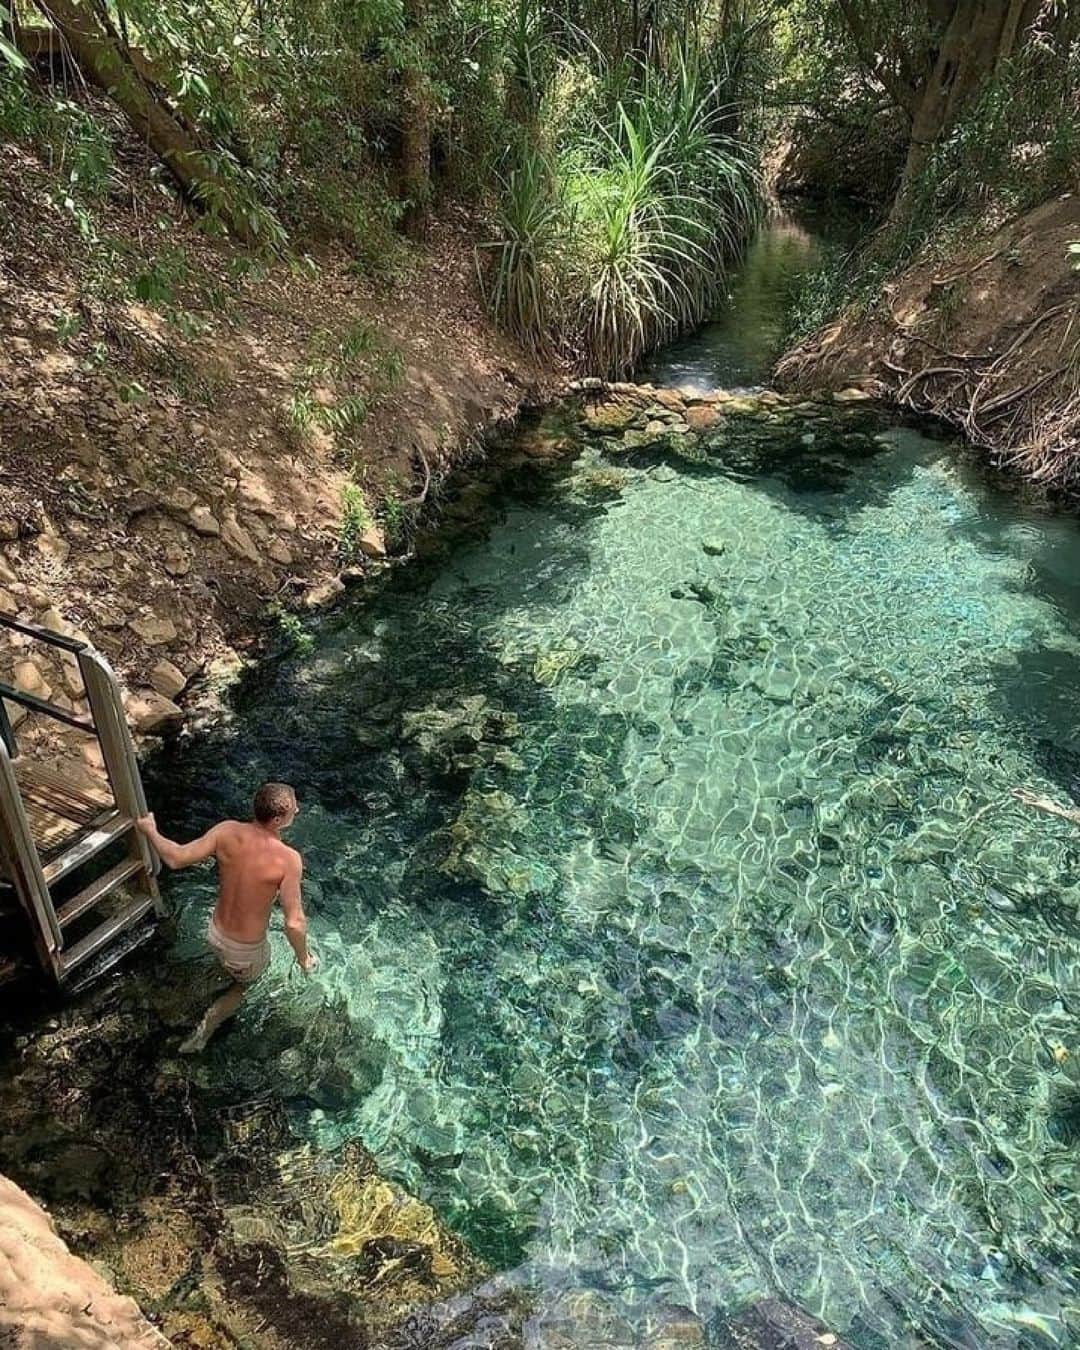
(461, 736)
(773, 1324)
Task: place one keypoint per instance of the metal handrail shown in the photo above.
(41, 705)
(41, 634)
(31, 701)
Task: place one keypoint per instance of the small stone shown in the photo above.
(238, 541)
(54, 547)
(203, 521)
(167, 679)
(35, 597)
(7, 572)
(670, 399)
(9, 528)
(104, 561)
(152, 713)
(179, 499)
(852, 395)
(92, 756)
(30, 680)
(256, 496)
(280, 552)
(72, 679)
(8, 603)
(153, 629)
(713, 547)
(55, 622)
(702, 416)
(372, 543)
(321, 595)
(176, 562)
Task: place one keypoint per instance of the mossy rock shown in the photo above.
(614, 416)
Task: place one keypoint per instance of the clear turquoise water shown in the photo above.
(680, 939)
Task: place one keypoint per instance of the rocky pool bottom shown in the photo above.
(685, 957)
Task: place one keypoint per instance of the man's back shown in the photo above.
(252, 865)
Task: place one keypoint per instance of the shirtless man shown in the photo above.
(254, 867)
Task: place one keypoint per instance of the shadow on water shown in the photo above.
(830, 468)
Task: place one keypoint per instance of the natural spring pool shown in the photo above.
(683, 939)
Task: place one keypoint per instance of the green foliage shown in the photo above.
(524, 283)
(1013, 144)
(356, 518)
(627, 191)
(342, 378)
(9, 55)
(292, 632)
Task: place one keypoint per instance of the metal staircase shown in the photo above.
(84, 876)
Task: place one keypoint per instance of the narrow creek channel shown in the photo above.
(681, 941)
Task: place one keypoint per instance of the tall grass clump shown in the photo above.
(524, 285)
(621, 208)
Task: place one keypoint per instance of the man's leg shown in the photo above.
(219, 1011)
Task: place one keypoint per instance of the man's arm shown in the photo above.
(293, 908)
(173, 854)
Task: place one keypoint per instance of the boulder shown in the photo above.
(280, 552)
(179, 499)
(152, 713)
(55, 622)
(154, 630)
(167, 679)
(611, 416)
(670, 399)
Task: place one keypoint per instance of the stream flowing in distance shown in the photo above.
(680, 937)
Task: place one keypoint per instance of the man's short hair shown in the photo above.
(272, 801)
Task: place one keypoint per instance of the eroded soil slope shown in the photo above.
(987, 338)
(188, 433)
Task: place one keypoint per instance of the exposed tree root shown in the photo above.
(1011, 387)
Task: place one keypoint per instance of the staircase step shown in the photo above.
(106, 832)
(90, 945)
(129, 940)
(88, 897)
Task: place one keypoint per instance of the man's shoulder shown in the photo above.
(290, 855)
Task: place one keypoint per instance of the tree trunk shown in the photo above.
(104, 60)
(416, 118)
(977, 37)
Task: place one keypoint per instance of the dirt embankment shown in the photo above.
(189, 435)
(987, 338)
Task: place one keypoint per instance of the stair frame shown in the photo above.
(19, 853)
